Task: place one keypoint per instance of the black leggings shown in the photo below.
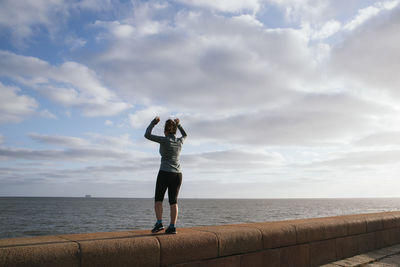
(170, 180)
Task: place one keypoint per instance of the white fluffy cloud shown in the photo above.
(73, 154)
(304, 10)
(24, 19)
(59, 140)
(361, 159)
(380, 139)
(232, 161)
(209, 60)
(326, 30)
(70, 84)
(141, 118)
(354, 13)
(74, 149)
(324, 18)
(21, 17)
(259, 86)
(369, 12)
(373, 50)
(14, 106)
(315, 120)
(225, 5)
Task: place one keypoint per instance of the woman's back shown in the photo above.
(170, 148)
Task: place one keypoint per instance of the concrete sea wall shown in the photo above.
(308, 242)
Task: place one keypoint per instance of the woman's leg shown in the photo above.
(173, 191)
(161, 187)
(158, 209)
(174, 213)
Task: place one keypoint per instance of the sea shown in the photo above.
(37, 216)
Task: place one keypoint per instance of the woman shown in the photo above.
(170, 175)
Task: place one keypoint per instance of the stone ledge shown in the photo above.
(308, 242)
(55, 254)
(136, 251)
(235, 239)
(188, 245)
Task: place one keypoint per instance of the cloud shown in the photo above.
(116, 28)
(314, 120)
(369, 12)
(304, 10)
(317, 12)
(327, 30)
(146, 18)
(372, 70)
(228, 64)
(95, 141)
(75, 42)
(380, 139)
(96, 147)
(59, 140)
(22, 18)
(47, 114)
(228, 77)
(15, 107)
(25, 20)
(77, 154)
(77, 182)
(123, 141)
(231, 160)
(323, 19)
(70, 84)
(96, 5)
(141, 118)
(362, 159)
(225, 5)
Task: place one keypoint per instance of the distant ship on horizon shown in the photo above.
(88, 196)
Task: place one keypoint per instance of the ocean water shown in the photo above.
(23, 217)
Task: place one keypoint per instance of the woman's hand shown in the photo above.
(177, 121)
(156, 120)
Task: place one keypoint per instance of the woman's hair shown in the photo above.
(170, 127)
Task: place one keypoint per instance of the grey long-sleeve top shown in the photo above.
(170, 148)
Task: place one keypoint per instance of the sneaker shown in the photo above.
(170, 230)
(157, 228)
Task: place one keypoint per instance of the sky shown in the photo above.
(279, 98)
